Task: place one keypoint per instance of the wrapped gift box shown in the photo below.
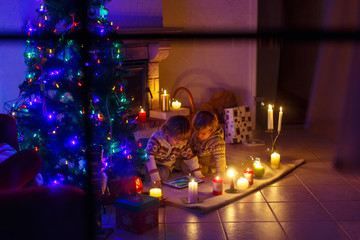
(136, 212)
(237, 124)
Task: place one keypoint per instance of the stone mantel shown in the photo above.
(154, 50)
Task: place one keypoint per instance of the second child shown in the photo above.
(208, 143)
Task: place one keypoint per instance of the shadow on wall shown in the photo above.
(203, 84)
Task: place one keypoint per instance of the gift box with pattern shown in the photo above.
(237, 124)
(136, 212)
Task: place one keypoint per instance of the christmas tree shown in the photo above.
(72, 82)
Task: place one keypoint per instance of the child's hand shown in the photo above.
(157, 184)
(205, 179)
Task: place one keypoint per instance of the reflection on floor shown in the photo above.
(313, 202)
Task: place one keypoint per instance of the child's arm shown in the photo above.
(218, 155)
(152, 169)
(151, 150)
(191, 160)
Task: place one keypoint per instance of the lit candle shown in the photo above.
(259, 170)
(270, 118)
(280, 119)
(165, 101)
(275, 160)
(193, 191)
(242, 183)
(176, 104)
(217, 186)
(231, 174)
(142, 116)
(156, 192)
(248, 174)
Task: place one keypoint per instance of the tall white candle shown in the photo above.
(270, 118)
(165, 101)
(193, 192)
(280, 119)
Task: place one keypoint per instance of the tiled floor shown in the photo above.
(312, 202)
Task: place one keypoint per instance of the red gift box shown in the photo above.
(136, 213)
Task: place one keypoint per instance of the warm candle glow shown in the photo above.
(165, 101)
(176, 104)
(193, 192)
(275, 160)
(217, 186)
(231, 173)
(280, 119)
(155, 192)
(259, 170)
(242, 183)
(142, 115)
(270, 118)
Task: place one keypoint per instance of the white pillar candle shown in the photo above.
(270, 118)
(176, 104)
(242, 183)
(193, 192)
(280, 119)
(275, 160)
(231, 174)
(156, 192)
(165, 101)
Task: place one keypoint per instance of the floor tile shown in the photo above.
(306, 230)
(178, 215)
(335, 193)
(299, 211)
(254, 231)
(157, 233)
(344, 210)
(316, 178)
(288, 180)
(352, 228)
(253, 197)
(199, 231)
(244, 211)
(287, 194)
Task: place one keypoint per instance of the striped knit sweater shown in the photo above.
(161, 152)
(213, 147)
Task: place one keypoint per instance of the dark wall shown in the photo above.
(289, 64)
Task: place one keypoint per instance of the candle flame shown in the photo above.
(164, 92)
(231, 173)
(280, 109)
(257, 163)
(217, 178)
(270, 107)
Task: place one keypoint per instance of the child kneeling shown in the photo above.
(166, 146)
(208, 143)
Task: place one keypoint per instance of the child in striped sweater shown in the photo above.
(168, 145)
(208, 143)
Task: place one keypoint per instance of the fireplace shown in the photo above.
(137, 82)
(142, 58)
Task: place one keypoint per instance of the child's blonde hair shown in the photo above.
(205, 119)
(177, 126)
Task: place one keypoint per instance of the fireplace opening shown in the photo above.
(137, 84)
